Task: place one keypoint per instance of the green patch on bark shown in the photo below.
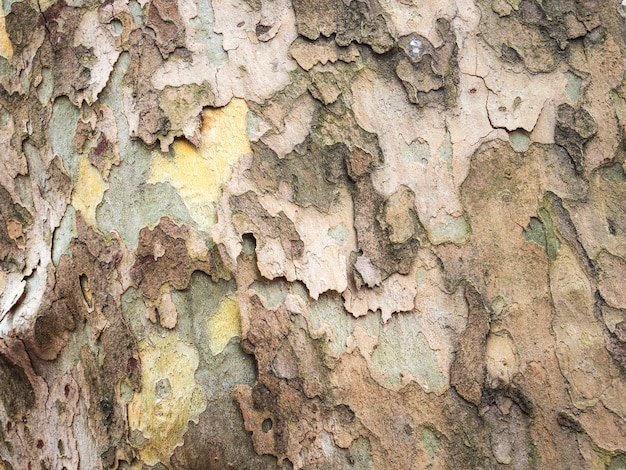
(541, 231)
(328, 315)
(453, 229)
(613, 173)
(197, 307)
(618, 463)
(416, 152)
(431, 444)
(273, 293)
(574, 83)
(360, 452)
(204, 23)
(339, 234)
(134, 312)
(402, 347)
(61, 133)
(519, 140)
(46, 87)
(130, 203)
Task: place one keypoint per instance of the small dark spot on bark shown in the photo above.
(509, 54)
(107, 411)
(524, 403)
(248, 243)
(566, 420)
(261, 29)
(87, 295)
(611, 226)
(131, 365)
(267, 425)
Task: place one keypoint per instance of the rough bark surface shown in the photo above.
(321, 234)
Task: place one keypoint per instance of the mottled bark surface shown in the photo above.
(322, 234)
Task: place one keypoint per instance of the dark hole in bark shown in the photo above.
(248, 243)
(267, 425)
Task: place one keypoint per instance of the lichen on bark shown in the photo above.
(304, 234)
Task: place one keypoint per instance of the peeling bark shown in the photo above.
(312, 234)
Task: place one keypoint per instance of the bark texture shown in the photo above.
(321, 234)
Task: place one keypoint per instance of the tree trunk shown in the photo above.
(321, 234)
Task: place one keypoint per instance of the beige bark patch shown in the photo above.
(168, 315)
(158, 416)
(502, 360)
(14, 230)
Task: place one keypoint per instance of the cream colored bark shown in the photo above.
(312, 234)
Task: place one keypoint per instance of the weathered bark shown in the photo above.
(312, 234)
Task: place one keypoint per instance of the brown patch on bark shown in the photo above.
(358, 21)
(467, 374)
(574, 127)
(162, 257)
(167, 24)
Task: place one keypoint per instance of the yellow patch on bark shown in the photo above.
(6, 47)
(170, 397)
(198, 173)
(88, 191)
(224, 324)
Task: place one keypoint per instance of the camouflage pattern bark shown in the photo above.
(321, 234)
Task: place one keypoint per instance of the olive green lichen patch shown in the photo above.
(535, 232)
(542, 231)
(535, 33)
(614, 173)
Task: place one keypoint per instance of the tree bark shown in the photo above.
(315, 234)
